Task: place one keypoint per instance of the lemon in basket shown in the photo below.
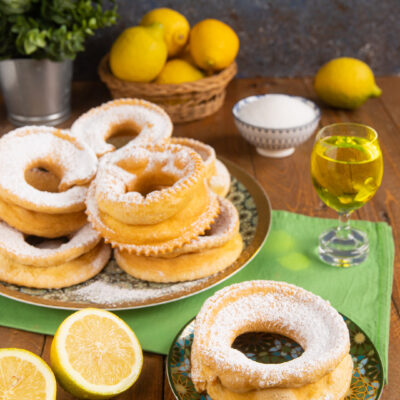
(176, 27)
(213, 44)
(179, 71)
(345, 83)
(139, 53)
(95, 355)
(24, 375)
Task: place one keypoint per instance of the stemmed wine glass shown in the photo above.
(346, 170)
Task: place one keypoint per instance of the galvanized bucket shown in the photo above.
(36, 92)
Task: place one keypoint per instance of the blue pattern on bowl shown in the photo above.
(275, 139)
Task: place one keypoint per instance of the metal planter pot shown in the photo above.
(36, 92)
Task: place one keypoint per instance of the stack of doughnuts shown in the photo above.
(204, 255)
(153, 204)
(323, 371)
(158, 201)
(151, 199)
(43, 185)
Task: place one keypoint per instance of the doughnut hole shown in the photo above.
(151, 182)
(267, 348)
(121, 134)
(43, 178)
(44, 243)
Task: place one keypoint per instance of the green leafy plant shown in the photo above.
(54, 29)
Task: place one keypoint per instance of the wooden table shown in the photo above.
(288, 184)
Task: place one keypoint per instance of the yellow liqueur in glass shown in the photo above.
(346, 170)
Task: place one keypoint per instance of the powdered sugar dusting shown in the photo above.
(13, 244)
(110, 236)
(100, 292)
(272, 307)
(206, 152)
(113, 179)
(94, 127)
(30, 147)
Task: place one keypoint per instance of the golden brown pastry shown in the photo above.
(141, 120)
(205, 255)
(323, 371)
(42, 210)
(150, 200)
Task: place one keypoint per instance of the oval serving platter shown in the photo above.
(113, 289)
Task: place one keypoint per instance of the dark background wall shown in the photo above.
(279, 37)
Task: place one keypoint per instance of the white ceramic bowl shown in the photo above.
(275, 142)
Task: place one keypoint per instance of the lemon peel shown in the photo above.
(178, 71)
(176, 27)
(139, 53)
(213, 44)
(345, 83)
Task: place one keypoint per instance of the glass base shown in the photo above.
(343, 253)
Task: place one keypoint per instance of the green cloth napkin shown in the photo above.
(362, 293)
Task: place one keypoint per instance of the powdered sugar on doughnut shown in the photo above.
(97, 125)
(112, 179)
(30, 147)
(206, 152)
(14, 246)
(200, 225)
(150, 184)
(271, 307)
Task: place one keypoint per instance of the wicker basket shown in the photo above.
(183, 102)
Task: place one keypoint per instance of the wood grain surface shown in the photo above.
(288, 184)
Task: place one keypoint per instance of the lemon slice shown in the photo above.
(24, 375)
(95, 355)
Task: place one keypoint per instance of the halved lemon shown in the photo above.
(24, 375)
(95, 354)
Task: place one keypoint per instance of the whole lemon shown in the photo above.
(345, 83)
(213, 44)
(176, 27)
(139, 53)
(178, 71)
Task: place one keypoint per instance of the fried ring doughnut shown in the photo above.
(185, 267)
(147, 185)
(14, 246)
(70, 273)
(203, 256)
(155, 239)
(223, 229)
(217, 174)
(266, 306)
(55, 150)
(121, 117)
(41, 224)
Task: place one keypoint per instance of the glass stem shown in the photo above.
(343, 228)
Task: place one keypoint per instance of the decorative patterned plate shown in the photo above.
(367, 382)
(113, 289)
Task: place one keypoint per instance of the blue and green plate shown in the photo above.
(367, 382)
